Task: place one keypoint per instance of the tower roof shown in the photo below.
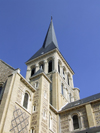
(50, 36)
(49, 44)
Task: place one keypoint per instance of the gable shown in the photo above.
(5, 70)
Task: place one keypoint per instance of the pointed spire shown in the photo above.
(50, 36)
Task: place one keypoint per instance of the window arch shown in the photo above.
(75, 122)
(25, 102)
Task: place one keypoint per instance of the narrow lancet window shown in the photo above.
(75, 122)
(50, 66)
(32, 72)
(25, 103)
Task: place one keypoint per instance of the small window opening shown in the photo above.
(50, 66)
(36, 84)
(63, 74)
(75, 122)
(34, 108)
(32, 131)
(25, 103)
(62, 89)
(32, 72)
(58, 68)
(68, 79)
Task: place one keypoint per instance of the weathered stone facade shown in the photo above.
(5, 71)
(46, 101)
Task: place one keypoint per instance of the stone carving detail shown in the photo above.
(20, 121)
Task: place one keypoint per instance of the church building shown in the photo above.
(46, 101)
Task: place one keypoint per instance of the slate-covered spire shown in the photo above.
(50, 36)
(50, 42)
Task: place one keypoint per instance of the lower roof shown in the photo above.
(81, 101)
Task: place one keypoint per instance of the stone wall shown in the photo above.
(54, 122)
(20, 121)
(66, 120)
(96, 112)
(5, 70)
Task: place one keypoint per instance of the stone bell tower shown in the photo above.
(55, 67)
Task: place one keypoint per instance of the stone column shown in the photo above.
(66, 76)
(28, 73)
(91, 120)
(55, 64)
(70, 81)
(46, 66)
(61, 71)
(70, 123)
(37, 67)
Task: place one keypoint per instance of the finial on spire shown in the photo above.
(51, 18)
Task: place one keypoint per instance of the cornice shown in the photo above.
(52, 108)
(59, 53)
(26, 82)
(42, 73)
(45, 54)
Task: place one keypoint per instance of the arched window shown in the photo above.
(62, 89)
(32, 130)
(25, 102)
(32, 72)
(63, 74)
(58, 68)
(68, 76)
(50, 66)
(75, 122)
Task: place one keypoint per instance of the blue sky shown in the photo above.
(23, 26)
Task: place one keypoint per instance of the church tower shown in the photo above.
(50, 61)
